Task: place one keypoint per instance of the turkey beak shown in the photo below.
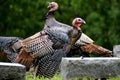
(48, 5)
(83, 22)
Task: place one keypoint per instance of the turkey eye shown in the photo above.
(78, 20)
(52, 4)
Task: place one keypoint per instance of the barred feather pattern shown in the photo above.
(49, 64)
(39, 46)
(6, 47)
(42, 44)
(56, 34)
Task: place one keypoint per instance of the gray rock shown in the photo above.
(116, 50)
(12, 71)
(103, 67)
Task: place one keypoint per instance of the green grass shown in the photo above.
(29, 76)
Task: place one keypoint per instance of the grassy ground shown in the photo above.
(29, 76)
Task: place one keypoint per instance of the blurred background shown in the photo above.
(23, 18)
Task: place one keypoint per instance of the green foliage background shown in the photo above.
(23, 18)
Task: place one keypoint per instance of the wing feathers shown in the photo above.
(24, 58)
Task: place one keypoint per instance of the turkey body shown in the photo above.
(49, 64)
(60, 34)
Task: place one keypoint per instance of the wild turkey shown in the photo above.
(48, 65)
(57, 30)
(42, 63)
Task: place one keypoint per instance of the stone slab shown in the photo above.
(12, 71)
(116, 51)
(102, 67)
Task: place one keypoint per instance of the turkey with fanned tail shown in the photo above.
(60, 33)
(42, 63)
(48, 65)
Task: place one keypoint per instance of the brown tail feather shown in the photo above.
(24, 58)
(92, 48)
(4, 57)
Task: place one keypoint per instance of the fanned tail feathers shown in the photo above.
(24, 58)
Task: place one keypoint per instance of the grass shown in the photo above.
(29, 76)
